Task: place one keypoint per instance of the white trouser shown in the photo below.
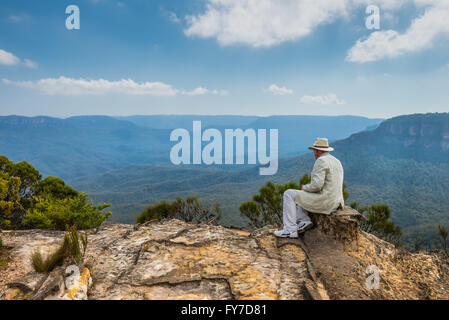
(292, 212)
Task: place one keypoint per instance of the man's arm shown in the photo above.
(318, 177)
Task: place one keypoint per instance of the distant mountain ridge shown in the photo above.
(85, 145)
(418, 136)
(79, 146)
(185, 121)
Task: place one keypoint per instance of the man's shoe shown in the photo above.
(303, 226)
(286, 234)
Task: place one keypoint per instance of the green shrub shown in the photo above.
(28, 201)
(55, 187)
(2, 263)
(70, 250)
(52, 213)
(189, 210)
(53, 259)
(192, 210)
(442, 232)
(158, 211)
(266, 206)
(378, 223)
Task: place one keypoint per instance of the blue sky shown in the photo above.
(244, 57)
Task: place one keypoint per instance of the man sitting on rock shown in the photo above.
(324, 194)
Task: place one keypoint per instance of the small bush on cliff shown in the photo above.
(266, 207)
(157, 211)
(11, 209)
(1, 243)
(378, 222)
(189, 210)
(442, 232)
(2, 263)
(28, 201)
(56, 214)
(3, 255)
(55, 187)
(70, 250)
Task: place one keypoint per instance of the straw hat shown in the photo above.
(322, 144)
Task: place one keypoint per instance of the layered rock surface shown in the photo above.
(175, 260)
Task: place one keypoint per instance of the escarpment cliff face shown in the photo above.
(421, 137)
(176, 260)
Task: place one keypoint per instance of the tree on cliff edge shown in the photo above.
(27, 201)
(189, 210)
(266, 206)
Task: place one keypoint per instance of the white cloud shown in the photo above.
(422, 33)
(202, 91)
(173, 17)
(7, 58)
(69, 86)
(331, 98)
(30, 64)
(265, 23)
(279, 90)
(261, 23)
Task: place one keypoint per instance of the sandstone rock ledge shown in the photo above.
(176, 260)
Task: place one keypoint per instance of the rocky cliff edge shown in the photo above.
(172, 259)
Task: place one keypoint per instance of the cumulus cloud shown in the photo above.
(7, 58)
(202, 91)
(69, 86)
(261, 23)
(422, 33)
(279, 90)
(265, 23)
(331, 98)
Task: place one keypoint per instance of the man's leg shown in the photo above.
(302, 215)
(304, 221)
(290, 210)
(289, 215)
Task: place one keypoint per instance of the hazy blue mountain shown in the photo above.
(79, 146)
(295, 132)
(185, 121)
(404, 163)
